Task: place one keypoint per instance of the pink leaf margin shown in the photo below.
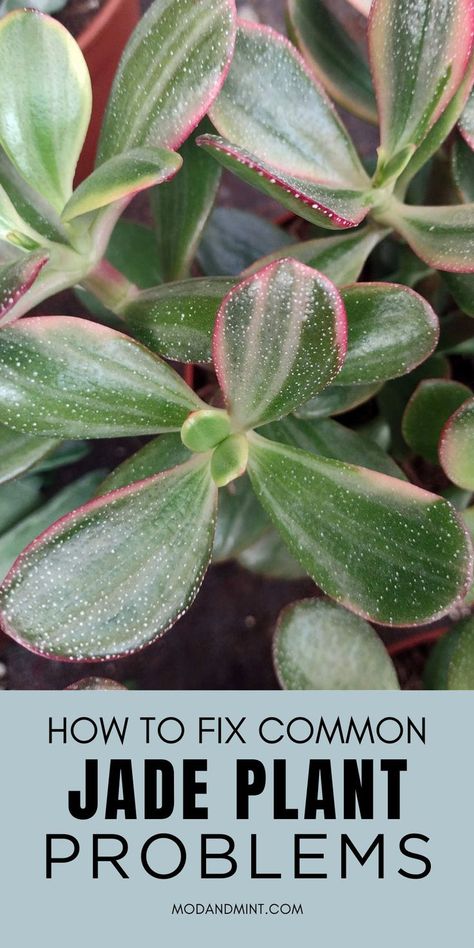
(68, 520)
(263, 276)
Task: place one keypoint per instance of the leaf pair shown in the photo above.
(371, 541)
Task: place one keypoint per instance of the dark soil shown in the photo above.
(77, 14)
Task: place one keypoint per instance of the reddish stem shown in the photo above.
(188, 375)
(426, 637)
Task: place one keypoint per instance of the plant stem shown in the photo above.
(110, 286)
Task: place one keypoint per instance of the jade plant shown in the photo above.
(263, 454)
(122, 569)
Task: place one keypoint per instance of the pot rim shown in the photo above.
(99, 22)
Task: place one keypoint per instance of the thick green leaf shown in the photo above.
(233, 240)
(435, 675)
(341, 258)
(466, 124)
(16, 279)
(120, 178)
(269, 557)
(439, 131)
(419, 53)
(29, 207)
(181, 208)
(385, 549)
(442, 236)
(133, 251)
(241, 520)
(170, 72)
(120, 570)
(391, 330)
(177, 319)
(428, 410)
(14, 541)
(17, 499)
(96, 684)
(280, 337)
(19, 452)
(335, 58)
(456, 447)
(468, 520)
(461, 665)
(332, 440)
(394, 395)
(461, 287)
(319, 646)
(283, 134)
(463, 168)
(337, 399)
(327, 205)
(71, 378)
(46, 100)
(66, 453)
(160, 454)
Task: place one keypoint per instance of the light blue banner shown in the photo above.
(359, 806)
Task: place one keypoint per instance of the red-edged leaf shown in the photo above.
(456, 447)
(332, 54)
(170, 73)
(442, 236)
(466, 124)
(16, 279)
(419, 53)
(119, 571)
(383, 548)
(120, 178)
(283, 134)
(431, 405)
(70, 378)
(280, 337)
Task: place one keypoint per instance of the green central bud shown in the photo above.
(205, 429)
(229, 459)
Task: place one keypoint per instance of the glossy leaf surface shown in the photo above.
(442, 236)
(304, 153)
(19, 452)
(341, 258)
(122, 177)
(333, 206)
(45, 92)
(120, 570)
(385, 549)
(16, 278)
(181, 208)
(160, 454)
(429, 408)
(318, 645)
(419, 53)
(241, 520)
(391, 329)
(19, 536)
(330, 439)
(280, 336)
(177, 319)
(337, 399)
(466, 125)
(171, 71)
(456, 449)
(334, 57)
(71, 378)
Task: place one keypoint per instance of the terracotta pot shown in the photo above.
(102, 43)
